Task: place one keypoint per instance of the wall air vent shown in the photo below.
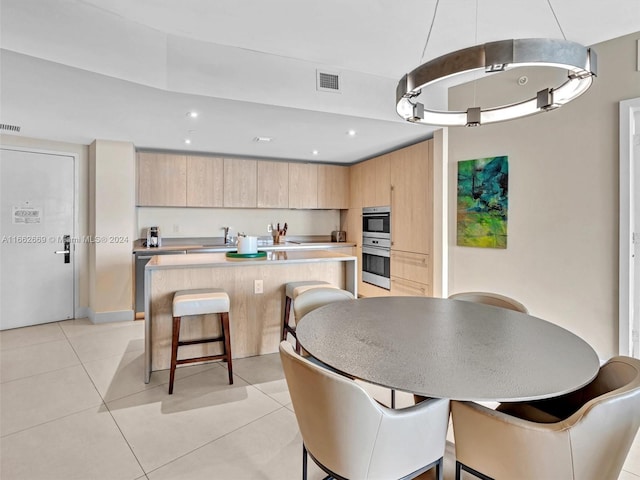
(9, 128)
(327, 81)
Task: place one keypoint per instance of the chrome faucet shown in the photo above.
(226, 235)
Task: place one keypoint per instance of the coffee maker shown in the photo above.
(153, 237)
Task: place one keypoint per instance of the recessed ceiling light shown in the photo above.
(315, 152)
(192, 114)
(262, 139)
(351, 133)
(187, 141)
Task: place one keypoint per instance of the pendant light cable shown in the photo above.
(475, 42)
(557, 21)
(433, 21)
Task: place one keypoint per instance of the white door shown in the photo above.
(629, 306)
(635, 194)
(36, 234)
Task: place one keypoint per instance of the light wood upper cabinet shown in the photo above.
(240, 182)
(205, 182)
(368, 183)
(273, 184)
(376, 181)
(162, 180)
(412, 202)
(355, 185)
(333, 186)
(303, 185)
(383, 180)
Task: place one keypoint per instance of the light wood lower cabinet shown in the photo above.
(367, 290)
(402, 287)
(410, 273)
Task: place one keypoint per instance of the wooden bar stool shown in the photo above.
(292, 290)
(200, 302)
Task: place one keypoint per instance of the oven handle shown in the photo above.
(378, 252)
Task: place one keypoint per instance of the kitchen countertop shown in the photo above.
(216, 244)
(220, 259)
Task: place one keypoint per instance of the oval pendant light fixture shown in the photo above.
(579, 62)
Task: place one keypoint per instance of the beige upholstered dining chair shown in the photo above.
(350, 436)
(585, 435)
(314, 298)
(493, 299)
(308, 301)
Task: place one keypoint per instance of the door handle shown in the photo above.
(67, 249)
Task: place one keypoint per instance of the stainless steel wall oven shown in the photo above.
(376, 246)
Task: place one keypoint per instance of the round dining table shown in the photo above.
(448, 348)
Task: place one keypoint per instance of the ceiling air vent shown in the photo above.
(327, 81)
(9, 128)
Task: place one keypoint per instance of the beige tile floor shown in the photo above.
(73, 405)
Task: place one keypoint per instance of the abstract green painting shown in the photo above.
(483, 192)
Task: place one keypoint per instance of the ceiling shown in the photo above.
(79, 70)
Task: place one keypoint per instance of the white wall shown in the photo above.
(208, 222)
(562, 254)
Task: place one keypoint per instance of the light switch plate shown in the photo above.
(257, 286)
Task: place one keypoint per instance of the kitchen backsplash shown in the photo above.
(208, 222)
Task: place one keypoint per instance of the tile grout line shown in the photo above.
(41, 373)
(104, 403)
(218, 438)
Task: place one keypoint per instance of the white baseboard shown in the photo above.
(115, 316)
(82, 312)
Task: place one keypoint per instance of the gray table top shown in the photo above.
(448, 348)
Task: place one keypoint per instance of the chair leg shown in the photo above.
(285, 320)
(224, 318)
(174, 352)
(304, 462)
(461, 466)
(439, 469)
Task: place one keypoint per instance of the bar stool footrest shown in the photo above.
(201, 359)
(204, 340)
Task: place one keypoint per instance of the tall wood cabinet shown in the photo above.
(402, 179)
(412, 199)
(412, 219)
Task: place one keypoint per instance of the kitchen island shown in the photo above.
(255, 318)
